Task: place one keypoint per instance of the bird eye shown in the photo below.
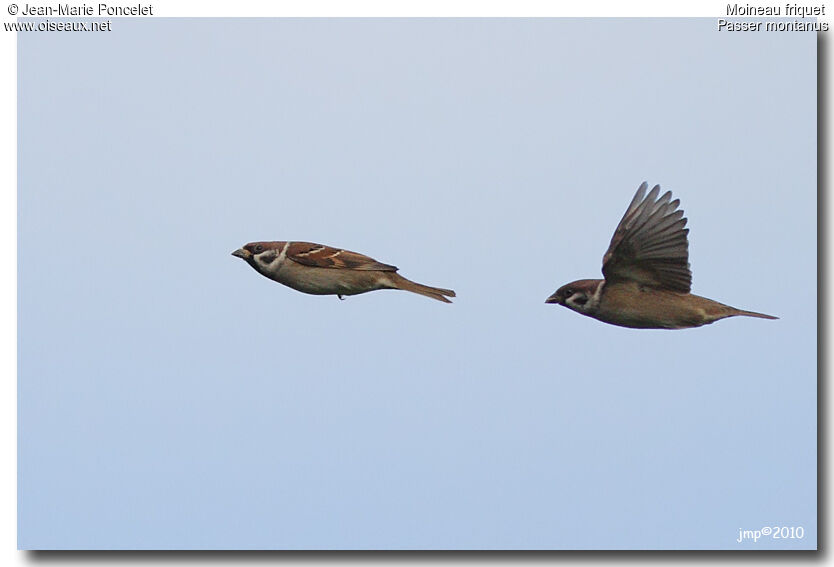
(568, 292)
(259, 248)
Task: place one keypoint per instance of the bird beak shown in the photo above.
(242, 253)
(553, 299)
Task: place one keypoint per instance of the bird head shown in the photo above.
(576, 295)
(259, 255)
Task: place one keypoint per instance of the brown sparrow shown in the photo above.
(647, 276)
(322, 270)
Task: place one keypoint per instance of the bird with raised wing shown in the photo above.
(647, 277)
(321, 270)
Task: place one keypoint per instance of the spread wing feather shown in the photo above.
(321, 256)
(650, 244)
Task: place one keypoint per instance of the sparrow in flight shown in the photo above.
(647, 276)
(322, 270)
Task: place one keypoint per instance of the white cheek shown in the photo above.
(265, 263)
(575, 305)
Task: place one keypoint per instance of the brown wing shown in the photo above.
(321, 256)
(650, 244)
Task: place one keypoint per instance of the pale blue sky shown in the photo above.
(170, 397)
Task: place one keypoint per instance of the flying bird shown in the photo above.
(321, 270)
(647, 276)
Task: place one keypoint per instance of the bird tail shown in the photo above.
(437, 293)
(744, 313)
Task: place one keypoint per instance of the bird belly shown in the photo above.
(326, 281)
(639, 307)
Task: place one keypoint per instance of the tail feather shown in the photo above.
(753, 314)
(437, 293)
